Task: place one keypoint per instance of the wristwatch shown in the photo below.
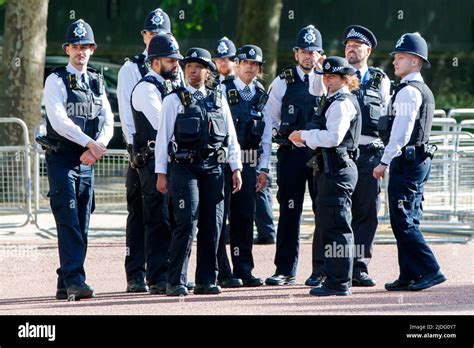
(265, 170)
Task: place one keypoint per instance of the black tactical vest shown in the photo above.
(83, 107)
(143, 129)
(351, 139)
(424, 118)
(202, 126)
(371, 101)
(298, 104)
(139, 60)
(247, 115)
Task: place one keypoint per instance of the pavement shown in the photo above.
(29, 259)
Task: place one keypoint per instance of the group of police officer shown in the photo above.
(199, 144)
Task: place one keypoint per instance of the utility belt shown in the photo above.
(376, 146)
(141, 155)
(189, 155)
(331, 160)
(55, 146)
(412, 152)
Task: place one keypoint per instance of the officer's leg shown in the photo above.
(334, 204)
(406, 185)
(157, 228)
(242, 211)
(264, 213)
(365, 207)
(134, 233)
(318, 245)
(211, 210)
(225, 271)
(185, 199)
(62, 176)
(291, 180)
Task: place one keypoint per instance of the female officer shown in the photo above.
(195, 129)
(335, 139)
(246, 98)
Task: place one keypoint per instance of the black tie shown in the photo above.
(306, 78)
(83, 81)
(358, 75)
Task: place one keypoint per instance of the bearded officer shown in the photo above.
(79, 125)
(224, 54)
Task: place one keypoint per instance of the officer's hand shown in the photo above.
(97, 149)
(162, 183)
(379, 171)
(319, 63)
(261, 181)
(295, 137)
(87, 158)
(236, 181)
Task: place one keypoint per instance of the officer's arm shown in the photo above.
(147, 99)
(107, 131)
(316, 85)
(273, 106)
(235, 161)
(266, 142)
(169, 111)
(339, 116)
(385, 91)
(125, 84)
(55, 100)
(406, 106)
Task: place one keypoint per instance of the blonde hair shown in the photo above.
(351, 81)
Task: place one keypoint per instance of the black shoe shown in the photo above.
(158, 288)
(61, 294)
(190, 286)
(136, 285)
(363, 279)
(264, 241)
(427, 281)
(231, 282)
(252, 281)
(397, 285)
(176, 290)
(207, 289)
(315, 280)
(77, 292)
(280, 279)
(324, 291)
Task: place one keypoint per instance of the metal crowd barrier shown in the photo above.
(15, 178)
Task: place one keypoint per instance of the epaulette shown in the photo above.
(288, 74)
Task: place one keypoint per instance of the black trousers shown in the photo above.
(156, 224)
(197, 195)
(365, 207)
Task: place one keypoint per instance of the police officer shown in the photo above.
(224, 54)
(373, 97)
(291, 106)
(163, 54)
(405, 133)
(246, 98)
(335, 138)
(134, 69)
(200, 123)
(79, 125)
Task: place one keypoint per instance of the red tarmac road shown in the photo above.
(28, 281)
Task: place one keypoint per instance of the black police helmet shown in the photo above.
(360, 33)
(336, 65)
(157, 21)
(250, 52)
(79, 33)
(225, 48)
(199, 55)
(414, 44)
(164, 45)
(309, 38)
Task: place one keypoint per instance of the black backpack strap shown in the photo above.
(184, 95)
(232, 95)
(139, 60)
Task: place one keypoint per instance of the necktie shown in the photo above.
(358, 75)
(246, 93)
(83, 81)
(198, 95)
(306, 78)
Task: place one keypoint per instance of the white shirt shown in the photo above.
(278, 90)
(338, 120)
(384, 91)
(128, 76)
(222, 77)
(267, 132)
(406, 106)
(147, 99)
(55, 98)
(169, 110)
